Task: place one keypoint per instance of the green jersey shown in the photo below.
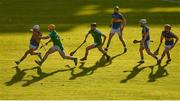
(56, 39)
(96, 35)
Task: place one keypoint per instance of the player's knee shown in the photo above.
(163, 54)
(87, 48)
(27, 52)
(110, 36)
(99, 49)
(64, 57)
(47, 53)
(31, 52)
(120, 38)
(166, 50)
(140, 49)
(149, 52)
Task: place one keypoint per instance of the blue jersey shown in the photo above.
(169, 37)
(33, 41)
(145, 29)
(116, 25)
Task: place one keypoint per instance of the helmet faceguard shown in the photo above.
(143, 22)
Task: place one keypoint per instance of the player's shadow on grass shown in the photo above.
(85, 71)
(112, 58)
(18, 76)
(41, 75)
(89, 70)
(102, 62)
(161, 72)
(136, 70)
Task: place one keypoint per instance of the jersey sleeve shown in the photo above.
(162, 36)
(145, 30)
(101, 33)
(121, 16)
(49, 34)
(174, 36)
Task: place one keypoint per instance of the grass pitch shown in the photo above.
(121, 78)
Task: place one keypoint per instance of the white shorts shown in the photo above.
(146, 44)
(33, 46)
(57, 48)
(168, 46)
(113, 31)
(96, 44)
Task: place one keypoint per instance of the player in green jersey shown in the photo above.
(96, 34)
(57, 46)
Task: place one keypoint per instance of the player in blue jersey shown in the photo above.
(169, 42)
(117, 25)
(34, 44)
(145, 41)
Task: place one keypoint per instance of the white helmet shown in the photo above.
(143, 21)
(36, 27)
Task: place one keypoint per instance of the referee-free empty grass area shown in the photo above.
(120, 78)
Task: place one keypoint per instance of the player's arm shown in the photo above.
(119, 20)
(48, 42)
(116, 20)
(104, 38)
(161, 40)
(112, 20)
(86, 37)
(156, 52)
(176, 40)
(123, 23)
(44, 37)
